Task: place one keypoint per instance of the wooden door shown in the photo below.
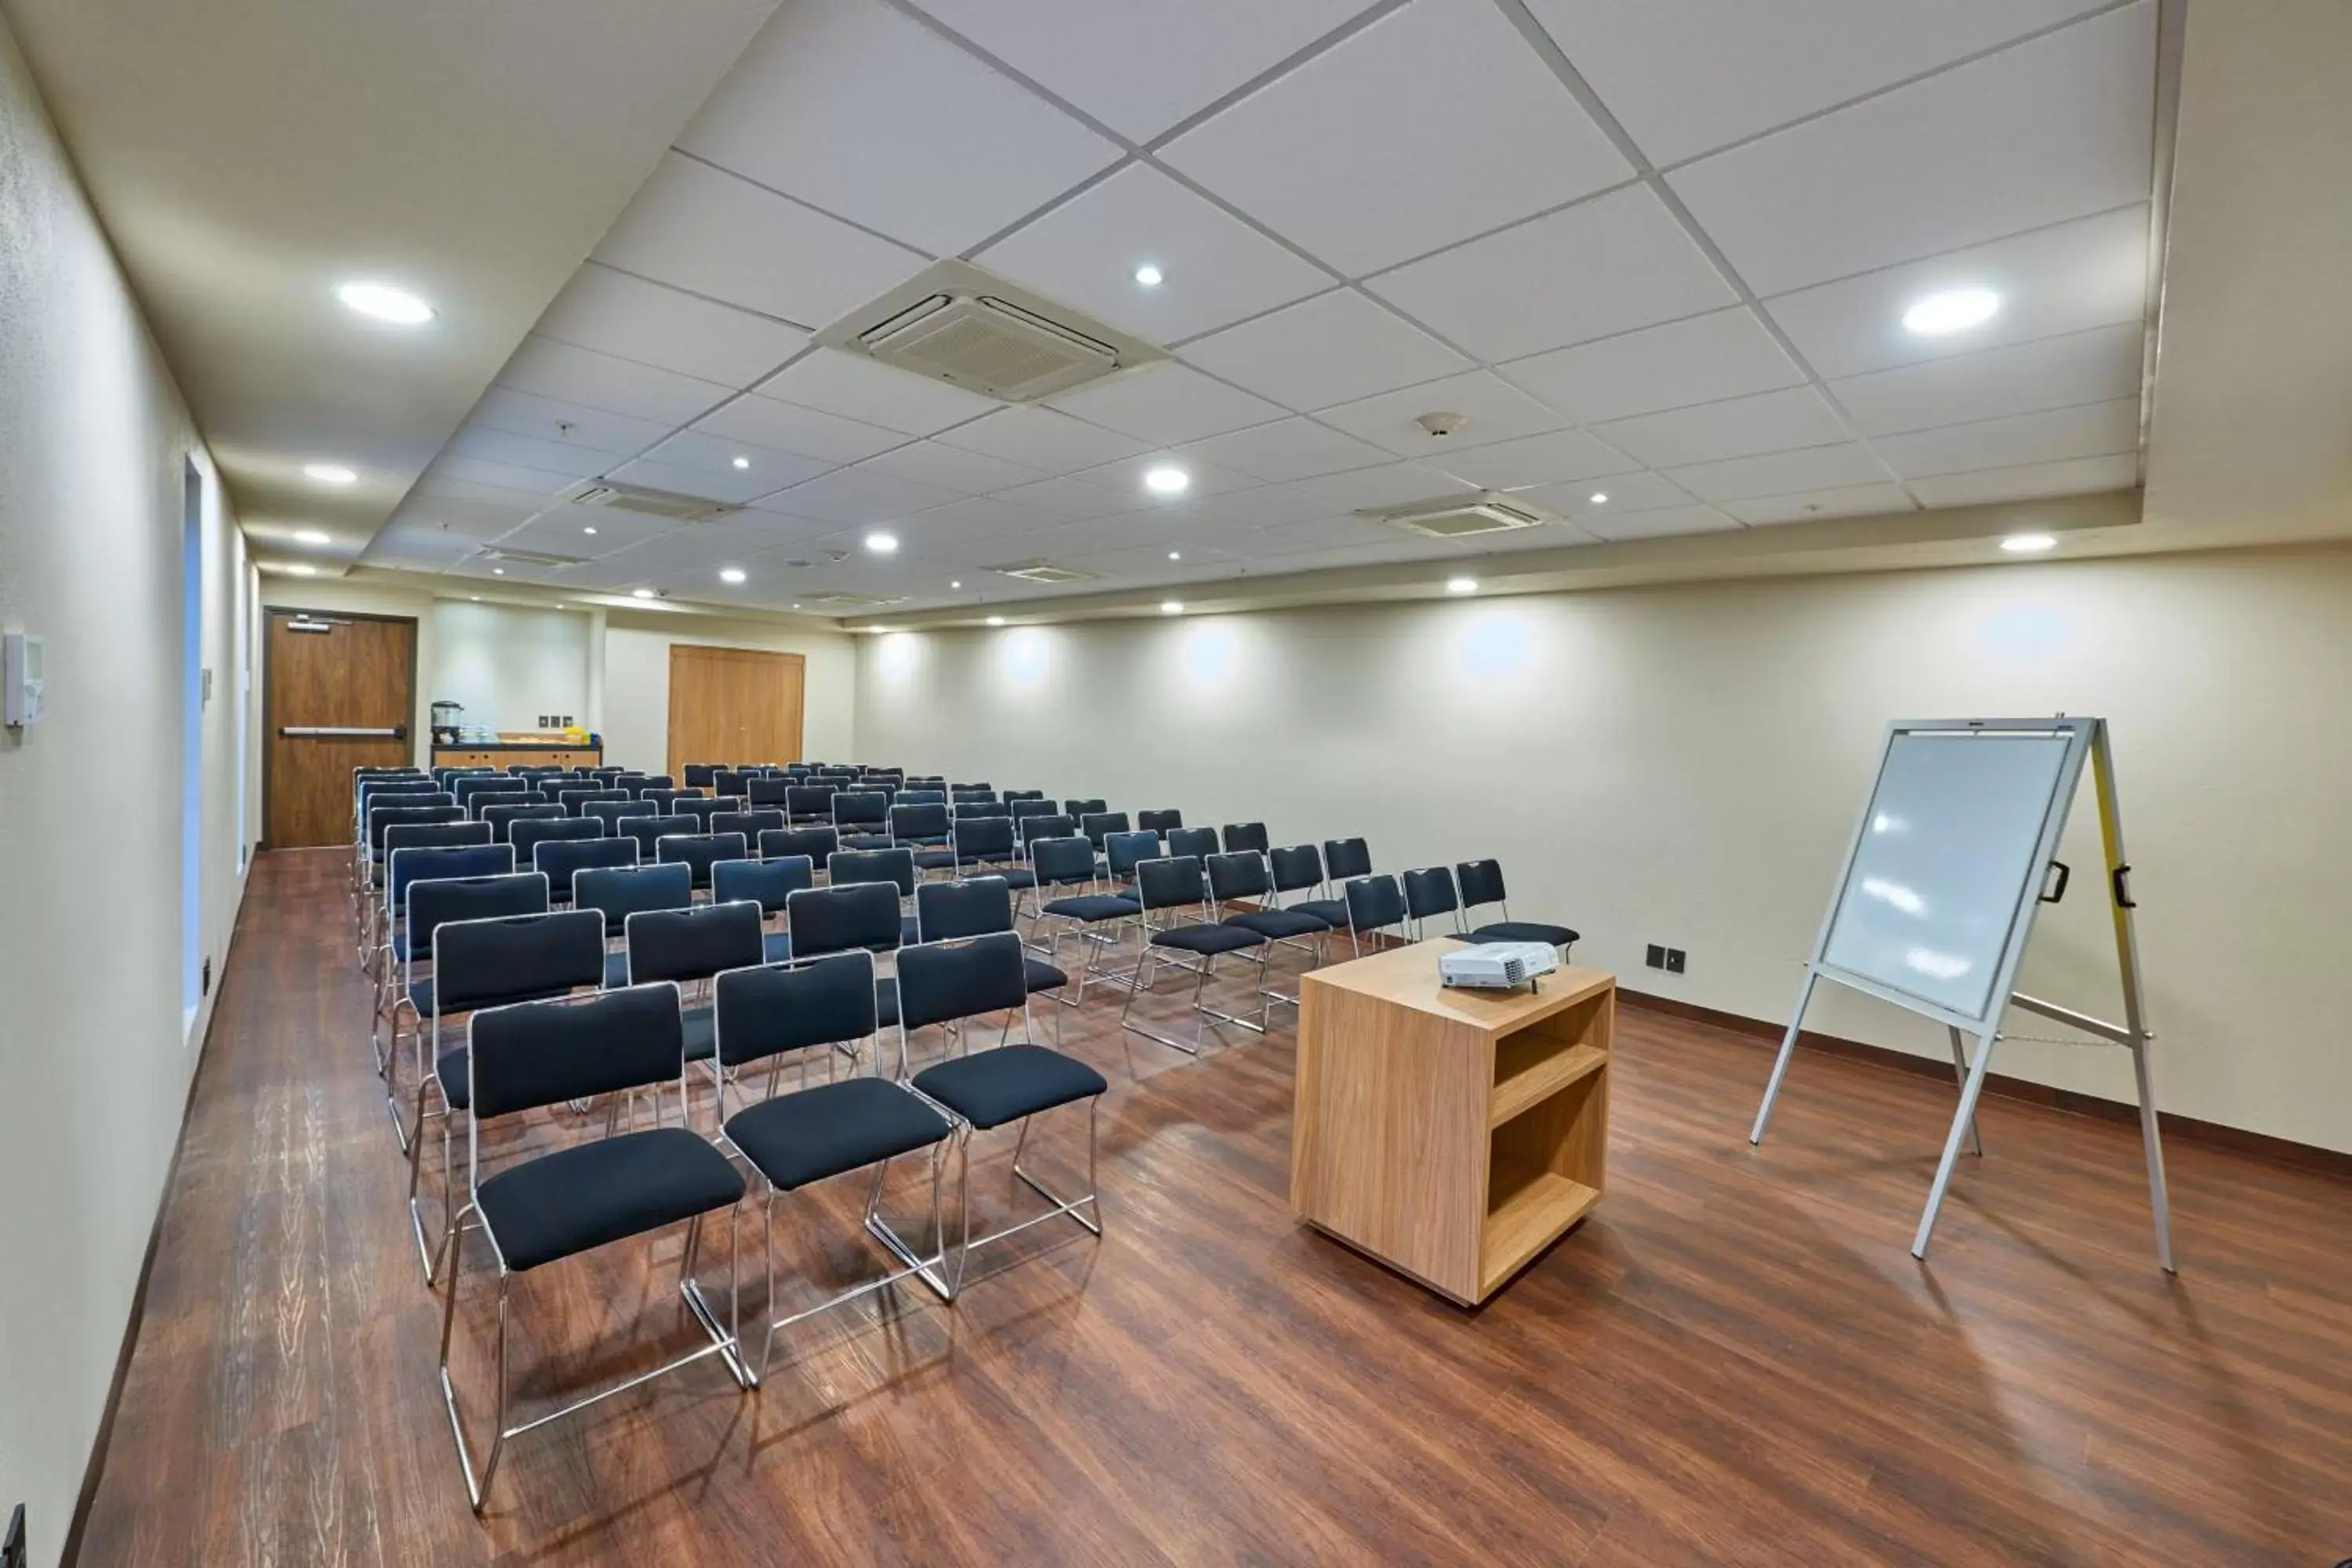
(732, 705)
(333, 699)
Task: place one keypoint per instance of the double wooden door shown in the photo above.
(338, 693)
(733, 705)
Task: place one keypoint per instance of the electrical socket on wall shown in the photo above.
(1660, 956)
(1674, 961)
(1656, 956)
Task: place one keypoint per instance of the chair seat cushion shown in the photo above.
(934, 859)
(886, 1000)
(701, 1031)
(616, 969)
(866, 841)
(1332, 913)
(1094, 907)
(778, 946)
(581, 1197)
(1524, 931)
(988, 1089)
(1208, 939)
(420, 997)
(909, 929)
(457, 1088)
(400, 946)
(796, 1139)
(1278, 924)
(1042, 975)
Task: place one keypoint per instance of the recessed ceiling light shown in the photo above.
(1462, 585)
(641, 593)
(1166, 481)
(877, 628)
(1599, 497)
(1171, 606)
(958, 584)
(498, 570)
(303, 569)
(311, 536)
(588, 528)
(732, 575)
(996, 620)
(1953, 311)
(881, 543)
(1175, 555)
(742, 462)
(475, 597)
(2029, 543)
(795, 606)
(330, 473)
(1148, 275)
(385, 303)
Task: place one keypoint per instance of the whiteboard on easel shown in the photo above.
(1943, 869)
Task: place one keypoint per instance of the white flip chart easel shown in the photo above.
(1953, 857)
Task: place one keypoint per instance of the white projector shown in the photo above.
(1497, 965)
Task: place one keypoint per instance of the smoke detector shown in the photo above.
(958, 323)
(1458, 517)
(1440, 426)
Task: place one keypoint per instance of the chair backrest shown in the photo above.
(1243, 837)
(527, 1055)
(1373, 903)
(1098, 825)
(453, 901)
(483, 800)
(949, 911)
(702, 808)
(920, 823)
(605, 776)
(1238, 874)
(750, 824)
(1344, 859)
(895, 867)
(1014, 796)
(1158, 821)
(981, 840)
(727, 781)
(405, 865)
(618, 892)
(1295, 866)
(974, 787)
(1084, 808)
(809, 802)
(919, 797)
(1482, 882)
(860, 808)
(502, 818)
(577, 799)
(641, 783)
(765, 1012)
(649, 831)
(1124, 851)
(940, 981)
(975, 808)
(767, 883)
(379, 817)
(768, 790)
(693, 945)
(495, 961)
(465, 789)
(552, 788)
(408, 790)
(664, 801)
(1033, 806)
(1198, 842)
(563, 859)
(1429, 890)
(964, 799)
(613, 813)
(700, 852)
(863, 915)
(815, 844)
(699, 775)
(1051, 824)
(402, 835)
(1169, 882)
(529, 832)
(1062, 861)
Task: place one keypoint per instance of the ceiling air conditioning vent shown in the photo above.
(849, 601)
(1458, 517)
(650, 503)
(1044, 571)
(530, 557)
(955, 322)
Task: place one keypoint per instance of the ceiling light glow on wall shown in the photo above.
(1148, 276)
(303, 569)
(742, 462)
(2029, 543)
(385, 303)
(958, 584)
(1462, 585)
(1166, 481)
(1953, 311)
(590, 528)
(498, 570)
(311, 536)
(641, 593)
(1171, 606)
(881, 543)
(330, 473)
(996, 620)
(732, 575)
(1599, 497)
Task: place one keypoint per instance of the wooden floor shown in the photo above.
(1734, 1361)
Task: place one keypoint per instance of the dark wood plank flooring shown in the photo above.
(1734, 1361)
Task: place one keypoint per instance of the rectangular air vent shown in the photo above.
(650, 503)
(848, 601)
(957, 323)
(1044, 571)
(530, 557)
(1458, 517)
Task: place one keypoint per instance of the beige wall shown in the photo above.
(98, 1051)
(1684, 765)
(508, 665)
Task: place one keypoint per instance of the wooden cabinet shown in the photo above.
(1451, 1134)
(504, 757)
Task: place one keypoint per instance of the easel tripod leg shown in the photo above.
(1962, 1120)
(1781, 1065)
(2159, 1199)
(1960, 1076)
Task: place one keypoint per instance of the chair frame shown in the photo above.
(1151, 960)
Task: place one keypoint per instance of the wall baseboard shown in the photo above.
(2280, 1150)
